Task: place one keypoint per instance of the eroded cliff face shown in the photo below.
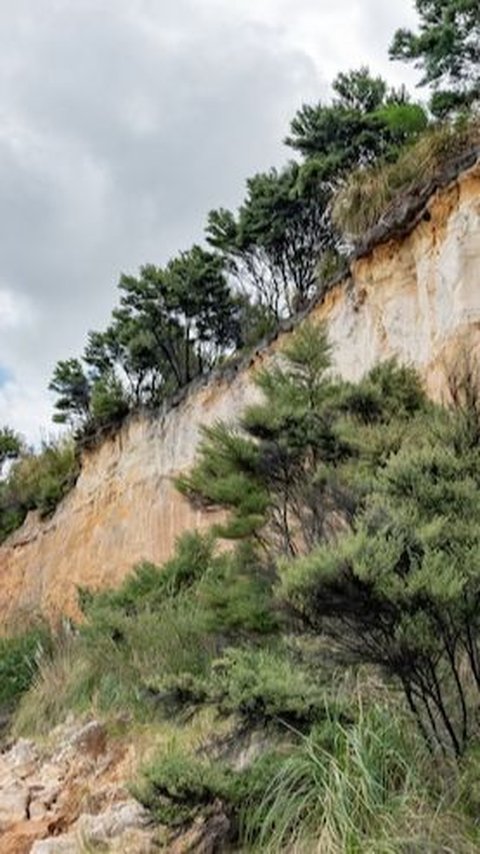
(417, 298)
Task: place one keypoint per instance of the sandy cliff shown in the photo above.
(417, 297)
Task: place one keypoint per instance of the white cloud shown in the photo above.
(15, 311)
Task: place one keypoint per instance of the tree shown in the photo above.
(275, 243)
(172, 323)
(364, 122)
(401, 589)
(276, 472)
(186, 311)
(447, 49)
(126, 351)
(283, 473)
(108, 403)
(71, 383)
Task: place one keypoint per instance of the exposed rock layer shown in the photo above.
(417, 297)
(71, 796)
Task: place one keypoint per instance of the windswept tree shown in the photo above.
(71, 385)
(275, 243)
(446, 49)
(364, 122)
(187, 311)
(281, 242)
(401, 589)
(172, 323)
(283, 471)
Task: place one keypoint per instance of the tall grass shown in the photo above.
(373, 194)
(21, 655)
(354, 789)
(108, 669)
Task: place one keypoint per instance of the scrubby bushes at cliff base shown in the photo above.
(341, 630)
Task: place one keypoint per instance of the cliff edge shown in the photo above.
(415, 295)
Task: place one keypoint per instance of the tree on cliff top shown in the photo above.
(274, 243)
(446, 49)
(365, 121)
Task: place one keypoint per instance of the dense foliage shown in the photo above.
(36, 481)
(265, 262)
(20, 656)
(346, 610)
(447, 49)
(384, 192)
(315, 686)
(365, 121)
(171, 324)
(378, 490)
(10, 446)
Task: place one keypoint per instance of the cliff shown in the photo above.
(415, 295)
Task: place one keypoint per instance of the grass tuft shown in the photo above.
(371, 195)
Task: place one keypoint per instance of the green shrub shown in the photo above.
(263, 685)
(114, 661)
(177, 786)
(108, 401)
(369, 786)
(352, 789)
(371, 194)
(236, 595)
(389, 391)
(37, 482)
(20, 656)
(149, 586)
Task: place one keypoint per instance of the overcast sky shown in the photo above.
(122, 122)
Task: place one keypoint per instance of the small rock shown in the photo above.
(121, 817)
(22, 757)
(205, 836)
(134, 842)
(13, 804)
(90, 739)
(65, 844)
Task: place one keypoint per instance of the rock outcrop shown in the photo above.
(415, 296)
(70, 796)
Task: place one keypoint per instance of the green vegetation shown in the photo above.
(357, 788)
(36, 481)
(360, 158)
(20, 657)
(339, 634)
(10, 446)
(447, 49)
(365, 122)
(177, 787)
(380, 191)
(366, 787)
(323, 671)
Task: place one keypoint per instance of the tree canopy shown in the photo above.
(288, 239)
(274, 245)
(171, 324)
(365, 121)
(447, 50)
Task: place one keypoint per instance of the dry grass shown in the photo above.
(376, 195)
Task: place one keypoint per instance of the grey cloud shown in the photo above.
(121, 123)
